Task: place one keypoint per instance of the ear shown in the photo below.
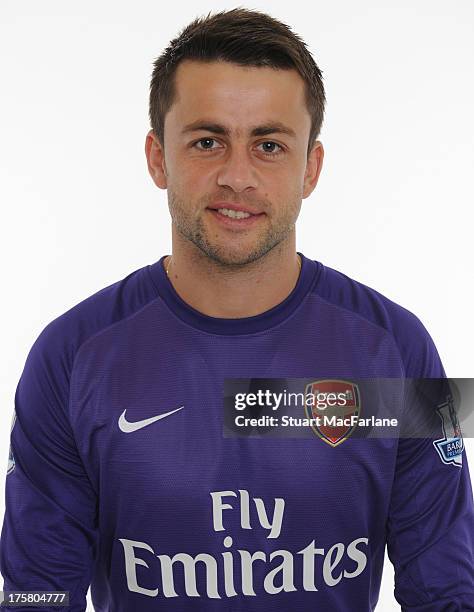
(313, 168)
(155, 156)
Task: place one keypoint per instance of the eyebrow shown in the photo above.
(258, 130)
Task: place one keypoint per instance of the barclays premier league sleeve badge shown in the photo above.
(451, 446)
(11, 458)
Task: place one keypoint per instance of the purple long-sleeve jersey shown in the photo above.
(120, 476)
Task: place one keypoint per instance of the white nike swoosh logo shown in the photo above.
(128, 427)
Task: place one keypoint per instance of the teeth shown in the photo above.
(234, 214)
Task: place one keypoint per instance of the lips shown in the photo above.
(236, 207)
(235, 224)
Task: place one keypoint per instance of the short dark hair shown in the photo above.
(243, 37)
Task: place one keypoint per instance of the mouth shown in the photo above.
(235, 217)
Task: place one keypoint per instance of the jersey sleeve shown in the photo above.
(49, 535)
(430, 528)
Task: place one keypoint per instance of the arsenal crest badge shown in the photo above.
(335, 406)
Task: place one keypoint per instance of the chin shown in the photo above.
(237, 257)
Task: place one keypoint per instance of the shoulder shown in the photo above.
(415, 345)
(55, 348)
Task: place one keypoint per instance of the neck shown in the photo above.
(222, 291)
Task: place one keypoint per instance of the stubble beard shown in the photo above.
(193, 229)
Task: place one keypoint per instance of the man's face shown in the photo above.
(212, 159)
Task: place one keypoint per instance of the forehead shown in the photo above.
(238, 95)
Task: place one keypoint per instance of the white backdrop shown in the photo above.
(393, 207)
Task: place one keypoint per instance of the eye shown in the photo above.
(205, 140)
(272, 144)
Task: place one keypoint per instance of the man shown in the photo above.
(123, 474)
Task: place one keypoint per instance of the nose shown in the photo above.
(237, 171)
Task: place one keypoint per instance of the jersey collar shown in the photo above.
(246, 325)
